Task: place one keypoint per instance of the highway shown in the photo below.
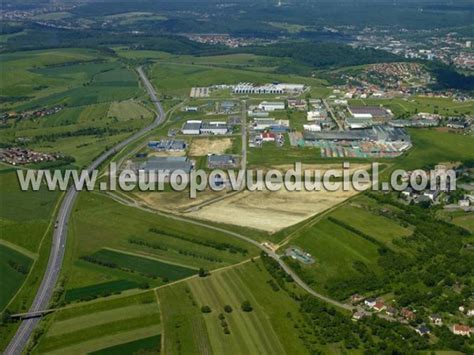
(43, 296)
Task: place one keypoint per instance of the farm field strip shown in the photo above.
(100, 324)
(107, 341)
(226, 288)
(103, 317)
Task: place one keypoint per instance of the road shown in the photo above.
(243, 123)
(45, 291)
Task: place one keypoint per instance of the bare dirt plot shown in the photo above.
(205, 146)
(175, 201)
(323, 167)
(270, 211)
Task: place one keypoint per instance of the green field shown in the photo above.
(14, 267)
(148, 267)
(266, 329)
(172, 250)
(177, 77)
(431, 146)
(96, 93)
(25, 217)
(336, 251)
(100, 325)
(377, 226)
(152, 343)
(99, 290)
(442, 106)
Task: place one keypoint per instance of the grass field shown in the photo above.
(24, 215)
(149, 267)
(265, 330)
(150, 344)
(24, 220)
(96, 226)
(211, 71)
(431, 146)
(103, 289)
(335, 250)
(101, 101)
(442, 106)
(14, 267)
(377, 226)
(100, 325)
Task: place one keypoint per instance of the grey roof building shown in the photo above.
(167, 164)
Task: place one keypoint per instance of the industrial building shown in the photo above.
(379, 141)
(261, 124)
(297, 104)
(420, 123)
(228, 106)
(167, 165)
(168, 145)
(192, 127)
(359, 123)
(273, 89)
(225, 161)
(369, 112)
(271, 106)
(218, 128)
(312, 127)
(376, 134)
(195, 127)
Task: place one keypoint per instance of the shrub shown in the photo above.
(206, 309)
(246, 306)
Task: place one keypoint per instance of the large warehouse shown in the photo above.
(368, 112)
(278, 89)
(195, 127)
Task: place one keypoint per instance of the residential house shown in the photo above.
(379, 306)
(460, 329)
(370, 302)
(408, 314)
(422, 330)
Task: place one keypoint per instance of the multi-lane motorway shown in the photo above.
(45, 291)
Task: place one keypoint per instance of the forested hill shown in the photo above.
(326, 55)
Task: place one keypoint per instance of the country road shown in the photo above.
(43, 296)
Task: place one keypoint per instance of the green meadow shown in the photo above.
(14, 267)
(336, 251)
(101, 100)
(24, 222)
(442, 106)
(100, 325)
(147, 249)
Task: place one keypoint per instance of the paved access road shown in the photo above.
(45, 291)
